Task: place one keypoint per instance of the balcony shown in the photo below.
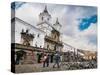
(50, 39)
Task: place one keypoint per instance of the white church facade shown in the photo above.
(42, 36)
(46, 35)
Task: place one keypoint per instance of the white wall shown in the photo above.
(37, 40)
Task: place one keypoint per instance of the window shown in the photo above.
(42, 18)
(55, 47)
(40, 46)
(48, 18)
(47, 46)
(36, 44)
(38, 35)
(55, 36)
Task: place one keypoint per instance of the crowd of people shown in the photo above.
(57, 60)
(70, 65)
(45, 60)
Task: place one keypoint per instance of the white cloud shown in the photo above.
(82, 40)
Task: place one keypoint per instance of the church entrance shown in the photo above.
(51, 58)
(39, 56)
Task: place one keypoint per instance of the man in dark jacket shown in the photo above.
(57, 60)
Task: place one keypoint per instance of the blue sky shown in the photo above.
(79, 23)
(86, 22)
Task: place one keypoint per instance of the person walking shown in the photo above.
(56, 60)
(46, 60)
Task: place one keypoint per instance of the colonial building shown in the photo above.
(52, 37)
(36, 39)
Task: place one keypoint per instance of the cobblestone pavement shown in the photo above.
(39, 68)
(35, 68)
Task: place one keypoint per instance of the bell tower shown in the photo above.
(44, 16)
(57, 25)
(44, 24)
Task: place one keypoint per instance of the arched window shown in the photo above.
(47, 46)
(55, 37)
(55, 47)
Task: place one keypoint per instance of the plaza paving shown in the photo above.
(35, 68)
(64, 66)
